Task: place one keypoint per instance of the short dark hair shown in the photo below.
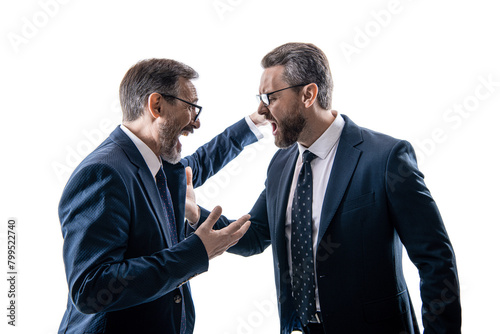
(147, 77)
(304, 63)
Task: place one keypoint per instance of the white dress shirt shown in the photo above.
(151, 159)
(325, 148)
(254, 128)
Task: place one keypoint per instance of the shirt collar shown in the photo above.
(151, 159)
(327, 141)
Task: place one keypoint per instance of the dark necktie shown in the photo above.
(303, 282)
(168, 209)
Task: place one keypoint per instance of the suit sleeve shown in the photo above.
(95, 210)
(421, 230)
(214, 155)
(257, 238)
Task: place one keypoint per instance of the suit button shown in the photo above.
(177, 299)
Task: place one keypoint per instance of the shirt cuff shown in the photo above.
(254, 128)
(194, 226)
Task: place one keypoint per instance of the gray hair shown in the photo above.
(304, 64)
(147, 77)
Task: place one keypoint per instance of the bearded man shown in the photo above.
(126, 251)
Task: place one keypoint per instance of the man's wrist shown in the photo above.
(194, 225)
(254, 128)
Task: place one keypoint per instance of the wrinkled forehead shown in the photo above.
(272, 79)
(187, 90)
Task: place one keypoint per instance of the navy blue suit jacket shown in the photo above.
(375, 201)
(123, 274)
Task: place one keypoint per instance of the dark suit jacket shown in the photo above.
(375, 201)
(123, 274)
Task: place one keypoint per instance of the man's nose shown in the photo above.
(262, 109)
(196, 124)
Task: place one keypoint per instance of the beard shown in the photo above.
(289, 129)
(169, 140)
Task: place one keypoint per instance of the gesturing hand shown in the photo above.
(192, 210)
(217, 242)
(258, 119)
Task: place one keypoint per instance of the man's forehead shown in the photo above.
(188, 89)
(272, 77)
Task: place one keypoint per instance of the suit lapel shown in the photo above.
(144, 176)
(344, 165)
(282, 202)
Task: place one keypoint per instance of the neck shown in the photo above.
(316, 125)
(145, 133)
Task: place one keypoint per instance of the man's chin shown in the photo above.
(172, 157)
(283, 143)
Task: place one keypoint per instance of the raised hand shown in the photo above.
(258, 119)
(192, 210)
(217, 242)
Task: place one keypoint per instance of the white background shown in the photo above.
(61, 68)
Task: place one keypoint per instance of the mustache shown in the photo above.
(187, 130)
(269, 117)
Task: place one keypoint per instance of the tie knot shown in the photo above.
(308, 156)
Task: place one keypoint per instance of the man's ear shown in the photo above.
(310, 92)
(154, 103)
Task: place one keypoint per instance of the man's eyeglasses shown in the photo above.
(193, 107)
(265, 97)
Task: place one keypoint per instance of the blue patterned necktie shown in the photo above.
(168, 209)
(303, 282)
